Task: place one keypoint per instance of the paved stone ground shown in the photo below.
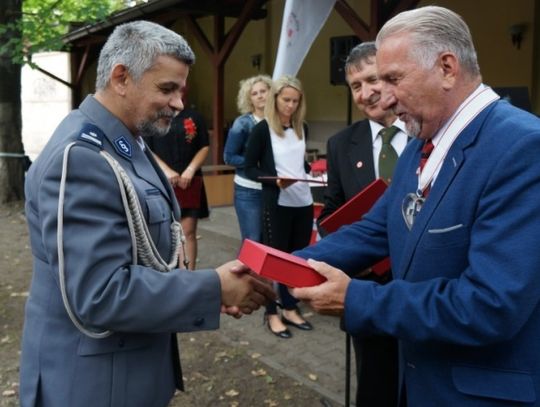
(316, 358)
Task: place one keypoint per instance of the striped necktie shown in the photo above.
(424, 156)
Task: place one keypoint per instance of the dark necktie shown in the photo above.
(426, 152)
(388, 155)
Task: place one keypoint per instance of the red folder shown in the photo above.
(279, 266)
(310, 180)
(190, 198)
(382, 267)
(319, 165)
(353, 210)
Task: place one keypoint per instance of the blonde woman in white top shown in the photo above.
(277, 147)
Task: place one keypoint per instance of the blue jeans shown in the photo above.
(248, 206)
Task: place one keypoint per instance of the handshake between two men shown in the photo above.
(244, 291)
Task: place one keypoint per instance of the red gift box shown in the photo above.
(353, 210)
(279, 266)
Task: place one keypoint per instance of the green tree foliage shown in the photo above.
(44, 22)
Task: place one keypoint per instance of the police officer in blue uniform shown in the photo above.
(107, 296)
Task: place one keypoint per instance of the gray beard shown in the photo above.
(149, 129)
(413, 128)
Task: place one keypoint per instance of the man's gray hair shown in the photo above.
(136, 45)
(434, 30)
(361, 54)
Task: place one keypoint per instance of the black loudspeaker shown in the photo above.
(518, 96)
(339, 50)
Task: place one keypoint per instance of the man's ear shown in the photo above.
(119, 79)
(450, 68)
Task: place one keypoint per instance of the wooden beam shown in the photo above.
(224, 8)
(402, 5)
(234, 33)
(380, 12)
(219, 34)
(219, 91)
(218, 115)
(358, 25)
(200, 36)
(76, 94)
(82, 65)
(88, 40)
(375, 18)
(53, 76)
(223, 46)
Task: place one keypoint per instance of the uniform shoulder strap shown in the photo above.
(92, 136)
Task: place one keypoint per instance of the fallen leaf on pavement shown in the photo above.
(22, 294)
(258, 372)
(199, 375)
(8, 393)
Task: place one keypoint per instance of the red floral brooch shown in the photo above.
(191, 129)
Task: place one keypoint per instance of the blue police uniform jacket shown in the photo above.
(138, 365)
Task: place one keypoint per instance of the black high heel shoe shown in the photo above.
(285, 334)
(304, 326)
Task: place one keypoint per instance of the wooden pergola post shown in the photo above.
(218, 54)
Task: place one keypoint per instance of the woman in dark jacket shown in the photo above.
(276, 148)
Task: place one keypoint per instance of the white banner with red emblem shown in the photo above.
(302, 21)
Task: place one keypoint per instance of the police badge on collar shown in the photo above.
(123, 147)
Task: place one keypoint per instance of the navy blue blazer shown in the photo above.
(345, 177)
(465, 299)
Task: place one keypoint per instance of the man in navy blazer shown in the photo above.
(460, 224)
(101, 317)
(353, 160)
(352, 153)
